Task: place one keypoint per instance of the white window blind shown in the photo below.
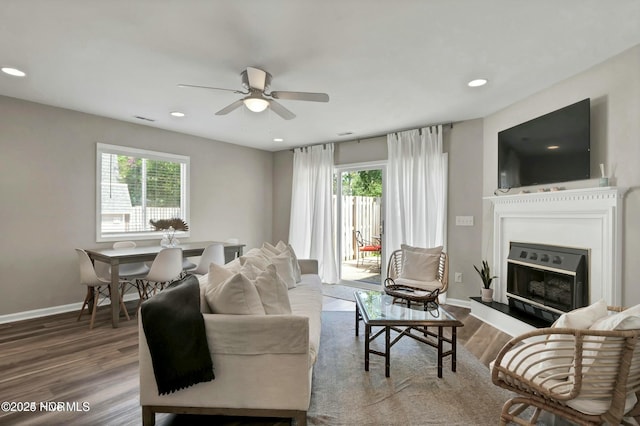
(135, 186)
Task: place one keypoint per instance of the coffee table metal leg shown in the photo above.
(440, 342)
(367, 336)
(357, 319)
(453, 349)
(387, 350)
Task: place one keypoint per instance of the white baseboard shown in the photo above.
(44, 312)
(458, 302)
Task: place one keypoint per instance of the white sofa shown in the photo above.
(263, 364)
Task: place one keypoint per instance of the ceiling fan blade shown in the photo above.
(228, 109)
(301, 96)
(257, 78)
(281, 111)
(213, 88)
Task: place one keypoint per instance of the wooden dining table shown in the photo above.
(115, 257)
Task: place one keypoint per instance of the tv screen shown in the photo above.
(553, 148)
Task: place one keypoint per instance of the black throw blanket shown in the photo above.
(175, 332)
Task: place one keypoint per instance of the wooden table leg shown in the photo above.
(367, 336)
(440, 342)
(387, 350)
(115, 292)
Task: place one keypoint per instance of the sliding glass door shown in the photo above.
(359, 213)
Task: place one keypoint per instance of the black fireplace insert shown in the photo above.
(546, 281)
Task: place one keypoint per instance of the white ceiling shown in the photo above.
(387, 65)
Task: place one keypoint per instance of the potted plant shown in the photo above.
(485, 274)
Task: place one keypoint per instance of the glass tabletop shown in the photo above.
(378, 308)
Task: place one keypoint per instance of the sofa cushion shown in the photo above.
(237, 295)
(306, 300)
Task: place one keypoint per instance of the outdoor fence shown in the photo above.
(358, 214)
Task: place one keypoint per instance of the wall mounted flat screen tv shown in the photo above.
(552, 148)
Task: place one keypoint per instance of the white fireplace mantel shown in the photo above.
(581, 218)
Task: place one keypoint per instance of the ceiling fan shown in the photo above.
(257, 82)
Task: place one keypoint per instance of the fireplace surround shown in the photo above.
(590, 219)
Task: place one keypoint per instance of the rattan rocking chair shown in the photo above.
(591, 383)
(426, 293)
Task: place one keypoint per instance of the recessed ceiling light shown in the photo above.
(13, 71)
(553, 147)
(278, 140)
(477, 82)
(177, 114)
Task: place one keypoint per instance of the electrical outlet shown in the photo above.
(464, 220)
(458, 277)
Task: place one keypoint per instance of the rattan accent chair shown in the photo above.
(416, 292)
(591, 383)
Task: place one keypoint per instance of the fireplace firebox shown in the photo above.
(546, 281)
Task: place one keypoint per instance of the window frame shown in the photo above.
(102, 148)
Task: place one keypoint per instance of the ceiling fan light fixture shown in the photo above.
(256, 104)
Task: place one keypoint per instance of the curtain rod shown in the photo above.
(449, 123)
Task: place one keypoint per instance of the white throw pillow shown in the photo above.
(273, 292)
(268, 248)
(237, 296)
(294, 263)
(257, 261)
(564, 345)
(629, 319)
(281, 245)
(420, 264)
(284, 268)
(218, 274)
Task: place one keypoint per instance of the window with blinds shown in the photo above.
(135, 186)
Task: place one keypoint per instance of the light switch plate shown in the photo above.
(464, 220)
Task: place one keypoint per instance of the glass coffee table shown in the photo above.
(377, 309)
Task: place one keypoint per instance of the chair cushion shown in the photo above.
(420, 264)
(422, 285)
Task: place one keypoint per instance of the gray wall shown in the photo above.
(47, 159)
(465, 199)
(614, 89)
(463, 142)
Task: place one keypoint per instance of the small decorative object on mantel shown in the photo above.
(485, 274)
(170, 226)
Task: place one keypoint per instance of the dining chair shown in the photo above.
(130, 269)
(96, 286)
(213, 253)
(166, 267)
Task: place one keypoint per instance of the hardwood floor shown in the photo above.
(57, 359)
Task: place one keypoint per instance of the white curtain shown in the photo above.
(311, 224)
(416, 190)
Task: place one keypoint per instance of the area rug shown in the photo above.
(345, 394)
(342, 291)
